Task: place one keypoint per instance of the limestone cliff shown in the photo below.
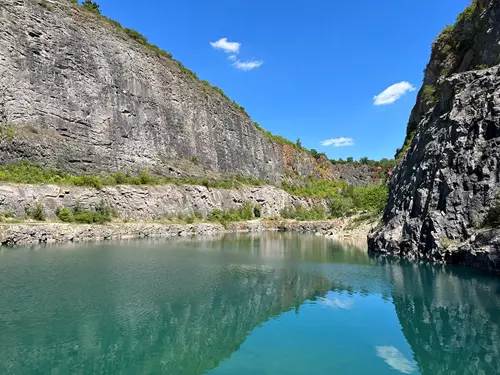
(80, 93)
(448, 180)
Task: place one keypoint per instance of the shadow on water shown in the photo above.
(185, 306)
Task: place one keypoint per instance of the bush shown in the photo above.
(257, 211)
(64, 214)
(429, 94)
(340, 206)
(247, 212)
(35, 212)
(137, 36)
(101, 214)
(316, 212)
(370, 198)
(468, 13)
(91, 6)
(88, 180)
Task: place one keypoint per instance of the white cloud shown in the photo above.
(226, 46)
(247, 65)
(338, 142)
(232, 57)
(393, 93)
(394, 358)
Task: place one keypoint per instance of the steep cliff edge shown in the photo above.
(80, 93)
(448, 179)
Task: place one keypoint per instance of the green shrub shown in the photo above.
(145, 178)
(257, 211)
(340, 206)
(88, 180)
(64, 214)
(120, 178)
(468, 13)
(401, 152)
(101, 214)
(91, 6)
(316, 212)
(429, 94)
(35, 211)
(137, 36)
(246, 212)
(370, 198)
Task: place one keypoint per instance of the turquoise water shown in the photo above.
(268, 304)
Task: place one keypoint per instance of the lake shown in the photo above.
(270, 304)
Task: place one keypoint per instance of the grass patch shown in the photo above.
(25, 172)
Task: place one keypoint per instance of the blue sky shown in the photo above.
(317, 66)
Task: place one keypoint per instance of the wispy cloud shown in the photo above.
(226, 46)
(232, 57)
(247, 65)
(393, 93)
(338, 142)
(395, 359)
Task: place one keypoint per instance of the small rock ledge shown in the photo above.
(51, 233)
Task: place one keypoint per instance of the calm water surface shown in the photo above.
(269, 304)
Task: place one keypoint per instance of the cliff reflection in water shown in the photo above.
(128, 309)
(450, 317)
(188, 306)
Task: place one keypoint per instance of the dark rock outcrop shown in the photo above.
(447, 182)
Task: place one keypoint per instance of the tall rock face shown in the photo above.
(448, 180)
(78, 93)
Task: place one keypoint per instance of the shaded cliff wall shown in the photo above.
(448, 179)
(448, 316)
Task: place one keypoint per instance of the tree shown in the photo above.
(298, 143)
(314, 153)
(350, 159)
(92, 6)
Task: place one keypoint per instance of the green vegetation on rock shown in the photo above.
(35, 211)
(101, 214)
(248, 211)
(401, 152)
(25, 172)
(317, 212)
(429, 94)
(344, 199)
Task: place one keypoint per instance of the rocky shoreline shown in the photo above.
(51, 233)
